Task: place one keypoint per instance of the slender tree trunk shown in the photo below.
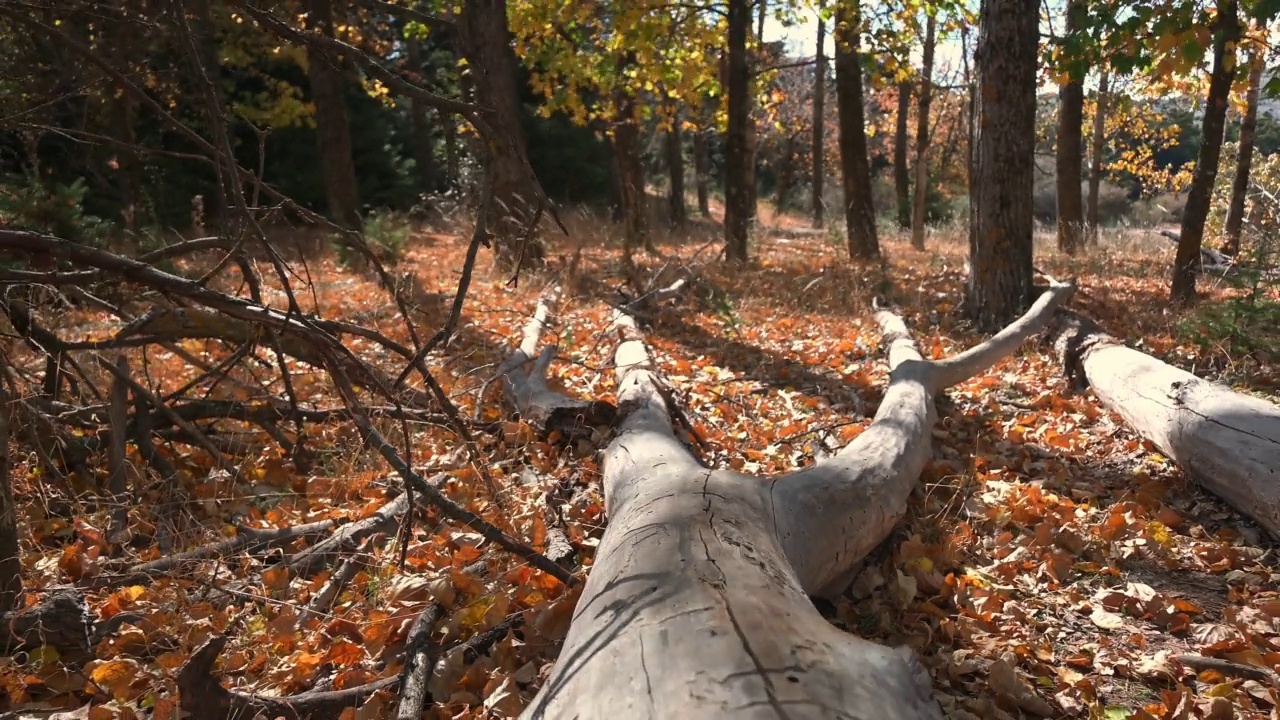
(10, 548)
(449, 131)
(819, 121)
(675, 168)
(626, 150)
(1244, 160)
(738, 159)
(1070, 156)
(860, 216)
(970, 111)
(702, 172)
(423, 156)
(1001, 221)
(1095, 158)
(763, 11)
(332, 130)
(921, 203)
(786, 173)
(1187, 263)
(901, 174)
(486, 45)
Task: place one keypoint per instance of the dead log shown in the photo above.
(1227, 442)
(545, 409)
(62, 622)
(698, 602)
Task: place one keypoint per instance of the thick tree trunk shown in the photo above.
(332, 130)
(1187, 263)
(1001, 221)
(921, 200)
(1095, 157)
(901, 174)
(701, 583)
(859, 212)
(1244, 160)
(702, 172)
(1070, 155)
(1226, 441)
(738, 158)
(819, 122)
(485, 43)
(675, 170)
(630, 166)
(423, 156)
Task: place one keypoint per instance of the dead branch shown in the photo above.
(419, 659)
(313, 559)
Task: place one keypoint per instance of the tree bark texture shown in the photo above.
(675, 169)
(920, 202)
(517, 196)
(702, 580)
(901, 174)
(423, 154)
(1244, 159)
(859, 211)
(1001, 221)
(738, 157)
(630, 166)
(702, 172)
(786, 173)
(1186, 265)
(1095, 156)
(1227, 442)
(332, 130)
(1070, 150)
(819, 123)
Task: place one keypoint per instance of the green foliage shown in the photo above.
(57, 210)
(385, 231)
(1238, 326)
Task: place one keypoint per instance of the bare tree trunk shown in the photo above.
(1226, 441)
(1001, 221)
(449, 128)
(786, 173)
(762, 10)
(675, 169)
(1191, 237)
(517, 196)
(626, 150)
(819, 121)
(1070, 155)
(1244, 159)
(10, 547)
(921, 204)
(423, 156)
(738, 158)
(697, 565)
(702, 172)
(332, 130)
(860, 215)
(1095, 158)
(901, 175)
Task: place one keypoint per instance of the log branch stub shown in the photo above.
(63, 621)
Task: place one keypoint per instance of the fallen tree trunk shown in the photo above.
(1226, 441)
(697, 605)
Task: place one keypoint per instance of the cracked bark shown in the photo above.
(711, 570)
(1226, 441)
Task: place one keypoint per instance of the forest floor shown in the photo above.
(1051, 565)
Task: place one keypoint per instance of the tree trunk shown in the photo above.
(738, 176)
(1070, 156)
(630, 166)
(702, 172)
(697, 566)
(901, 175)
(449, 129)
(786, 173)
(819, 121)
(921, 204)
(332, 131)
(1244, 160)
(1226, 441)
(1187, 263)
(1095, 158)
(10, 548)
(423, 156)
(517, 196)
(1000, 216)
(675, 168)
(859, 213)
(763, 11)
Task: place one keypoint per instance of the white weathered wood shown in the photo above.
(697, 605)
(1226, 441)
